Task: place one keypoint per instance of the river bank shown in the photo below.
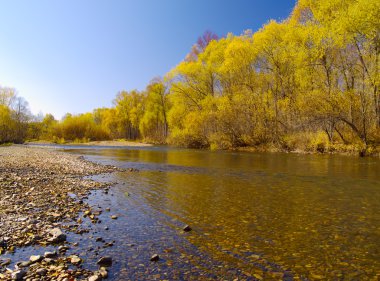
(111, 143)
(42, 193)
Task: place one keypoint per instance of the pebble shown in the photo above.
(34, 259)
(105, 261)
(187, 228)
(94, 278)
(155, 257)
(50, 254)
(41, 271)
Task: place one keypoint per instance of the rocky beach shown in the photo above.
(42, 194)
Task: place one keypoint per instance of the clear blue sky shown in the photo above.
(75, 55)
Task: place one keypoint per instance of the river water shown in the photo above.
(254, 216)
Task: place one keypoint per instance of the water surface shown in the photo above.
(254, 216)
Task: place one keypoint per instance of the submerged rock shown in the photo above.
(187, 228)
(57, 235)
(75, 260)
(105, 261)
(155, 257)
(34, 259)
(18, 275)
(94, 278)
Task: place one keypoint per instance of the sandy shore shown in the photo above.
(42, 192)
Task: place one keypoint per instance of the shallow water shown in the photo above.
(254, 216)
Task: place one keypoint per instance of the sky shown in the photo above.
(76, 55)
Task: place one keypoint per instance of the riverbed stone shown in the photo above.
(18, 275)
(41, 271)
(187, 228)
(34, 259)
(105, 261)
(50, 254)
(57, 235)
(95, 278)
(155, 257)
(75, 260)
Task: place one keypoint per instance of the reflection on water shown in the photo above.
(258, 216)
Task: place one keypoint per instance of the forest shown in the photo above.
(310, 82)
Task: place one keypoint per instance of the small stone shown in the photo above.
(63, 248)
(75, 260)
(187, 228)
(34, 259)
(41, 271)
(6, 262)
(50, 254)
(103, 272)
(94, 278)
(105, 261)
(18, 275)
(113, 217)
(24, 264)
(57, 235)
(155, 257)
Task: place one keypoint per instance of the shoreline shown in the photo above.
(113, 143)
(29, 177)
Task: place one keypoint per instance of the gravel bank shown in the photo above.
(42, 192)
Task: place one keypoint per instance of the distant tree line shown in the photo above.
(14, 117)
(310, 82)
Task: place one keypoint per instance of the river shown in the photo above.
(254, 216)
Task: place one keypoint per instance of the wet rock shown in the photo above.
(5, 262)
(155, 257)
(103, 272)
(48, 260)
(18, 275)
(50, 254)
(57, 236)
(34, 259)
(75, 260)
(41, 271)
(63, 248)
(24, 264)
(187, 228)
(95, 278)
(105, 261)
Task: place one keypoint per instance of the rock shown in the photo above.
(103, 272)
(5, 262)
(94, 278)
(63, 248)
(18, 275)
(155, 257)
(48, 260)
(50, 254)
(75, 260)
(57, 236)
(24, 264)
(34, 259)
(187, 228)
(105, 261)
(41, 271)
(114, 217)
